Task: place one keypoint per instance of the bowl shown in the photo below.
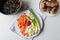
(11, 6)
(47, 13)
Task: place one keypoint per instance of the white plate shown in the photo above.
(40, 25)
(46, 13)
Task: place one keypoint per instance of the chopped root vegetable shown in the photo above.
(23, 34)
(22, 30)
(26, 34)
(22, 23)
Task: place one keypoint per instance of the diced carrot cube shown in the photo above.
(26, 34)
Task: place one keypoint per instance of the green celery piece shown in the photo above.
(35, 22)
(33, 17)
(32, 12)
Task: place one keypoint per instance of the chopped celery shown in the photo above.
(34, 26)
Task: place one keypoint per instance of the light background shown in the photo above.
(51, 28)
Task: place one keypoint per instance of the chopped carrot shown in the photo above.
(22, 30)
(22, 23)
(26, 34)
(23, 34)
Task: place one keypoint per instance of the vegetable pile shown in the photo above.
(28, 24)
(23, 22)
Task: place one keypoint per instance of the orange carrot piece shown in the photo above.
(26, 34)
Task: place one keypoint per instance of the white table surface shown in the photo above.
(51, 28)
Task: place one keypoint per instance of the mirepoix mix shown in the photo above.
(28, 24)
